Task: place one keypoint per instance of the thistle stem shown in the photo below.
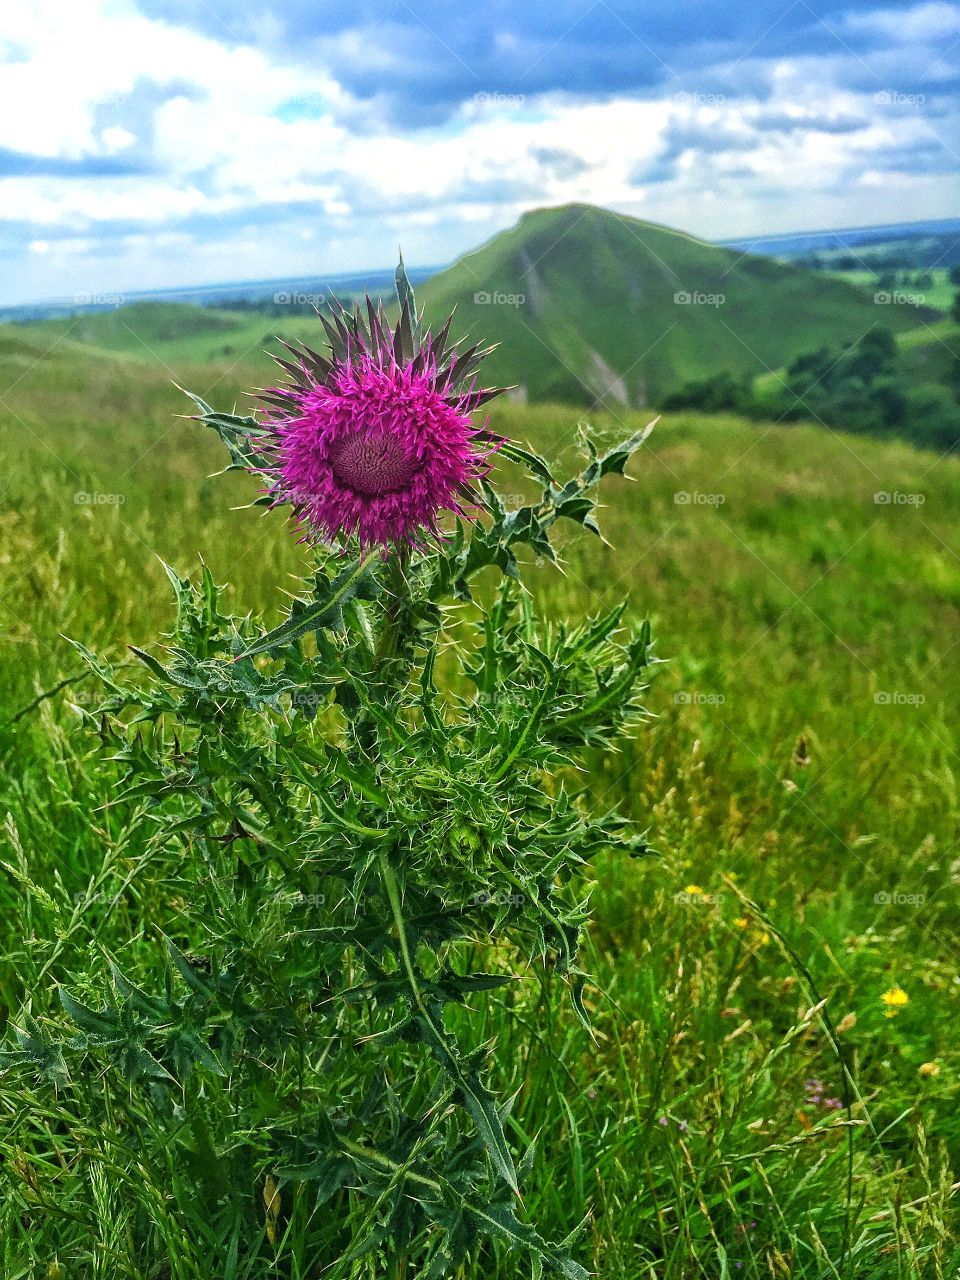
(397, 588)
(393, 895)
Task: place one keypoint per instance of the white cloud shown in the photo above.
(92, 52)
(115, 138)
(52, 202)
(919, 24)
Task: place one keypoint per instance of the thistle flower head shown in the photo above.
(375, 440)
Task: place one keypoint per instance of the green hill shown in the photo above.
(168, 333)
(593, 305)
(127, 328)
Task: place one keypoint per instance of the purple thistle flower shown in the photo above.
(376, 441)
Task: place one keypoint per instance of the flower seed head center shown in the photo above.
(373, 463)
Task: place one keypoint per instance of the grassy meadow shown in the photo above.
(799, 779)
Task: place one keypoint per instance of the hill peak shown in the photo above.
(592, 305)
(578, 211)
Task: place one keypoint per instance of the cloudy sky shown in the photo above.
(147, 143)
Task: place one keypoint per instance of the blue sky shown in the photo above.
(146, 143)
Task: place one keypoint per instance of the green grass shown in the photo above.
(804, 756)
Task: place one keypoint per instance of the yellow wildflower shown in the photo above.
(894, 999)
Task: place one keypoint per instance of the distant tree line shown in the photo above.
(921, 252)
(858, 387)
(297, 305)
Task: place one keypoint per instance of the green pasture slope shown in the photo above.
(803, 758)
(170, 333)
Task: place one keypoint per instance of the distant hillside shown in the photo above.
(932, 353)
(225, 295)
(591, 305)
(129, 327)
(163, 332)
(588, 306)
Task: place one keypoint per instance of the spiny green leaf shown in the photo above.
(104, 1023)
(239, 433)
(325, 612)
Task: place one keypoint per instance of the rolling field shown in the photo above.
(800, 782)
(939, 294)
(168, 334)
